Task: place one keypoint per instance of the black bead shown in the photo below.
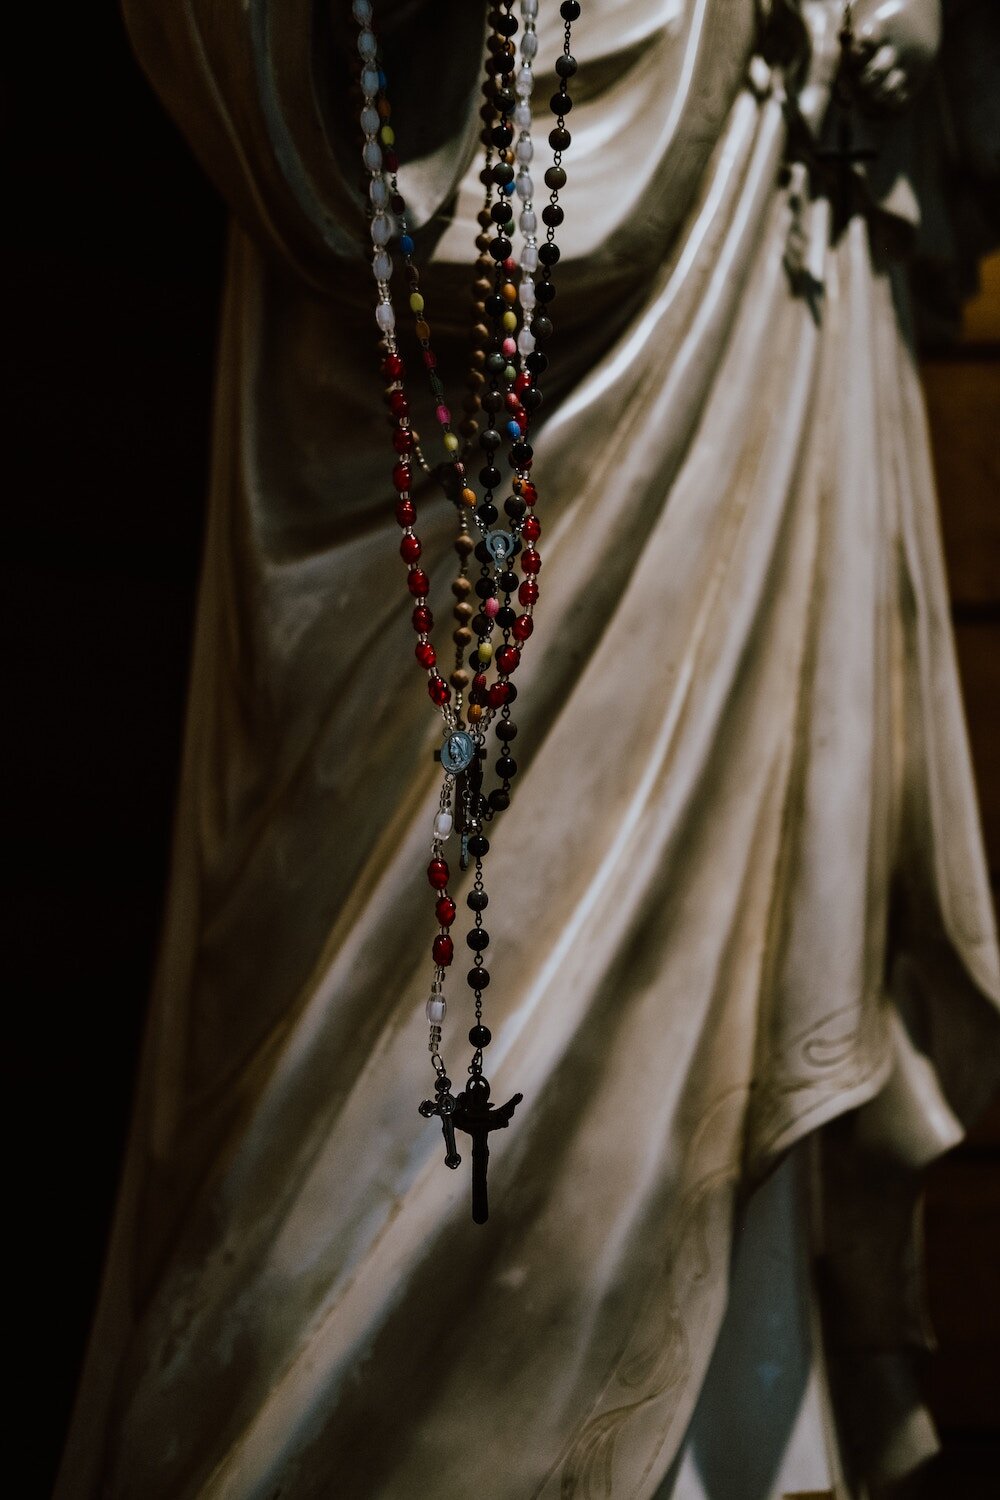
(478, 979)
(478, 939)
(499, 800)
(442, 1083)
(505, 103)
(552, 215)
(482, 556)
(501, 135)
(537, 362)
(477, 901)
(521, 453)
(479, 845)
(555, 178)
(506, 767)
(479, 624)
(506, 617)
(489, 439)
(486, 588)
(487, 513)
(559, 140)
(496, 362)
(505, 63)
(500, 249)
(480, 1036)
(515, 508)
(503, 173)
(489, 478)
(507, 583)
(507, 25)
(495, 305)
(560, 104)
(506, 730)
(492, 401)
(566, 65)
(549, 253)
(569, 10)
(544, 292)
(541, 326)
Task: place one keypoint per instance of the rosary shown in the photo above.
(503, 393)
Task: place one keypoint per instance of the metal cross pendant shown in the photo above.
(473, 1115)
(444, 1107)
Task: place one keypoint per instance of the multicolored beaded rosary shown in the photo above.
(503, 391)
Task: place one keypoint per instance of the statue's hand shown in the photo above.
(896, 42)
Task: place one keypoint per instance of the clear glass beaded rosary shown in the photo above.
(503, 394)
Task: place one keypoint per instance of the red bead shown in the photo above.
(528, 492)
(392, 161)
(530, 561)
(511, 402)
(438, 874)
(498, 694)
(507, 659)
(531, 528)
(522, 628)
(443, 950)
(418, 583)
(528, 592)
(406, 512)
(423, 620)
(425, 653)
(439, 690)
(402, 476)
(392, 367)
(445, 911)
(410, 549)
(398, 404)
(430, 359)
(522, 382)
(402, 440)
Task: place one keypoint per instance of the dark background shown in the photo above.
(113, 288)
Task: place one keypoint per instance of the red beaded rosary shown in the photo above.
(503, 393)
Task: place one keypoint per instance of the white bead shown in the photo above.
(525, 82)
(367, 45)
(371, 155)
(362, 11)
(529, 258)
(524, 150)
(370, 120)
(442, 825)
(522, 114)
(524, 185)
(529, 9)
(369, 82)
(526, 293)
(435, 1009)
(378, 192)
(526, 341)
(529, 45)
(382, 265)
(385, 317)
(381, 229)
(528, 222)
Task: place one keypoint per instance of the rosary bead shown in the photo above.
(549, 255)
(560, 104)
(506, 100)
(436, 1009)
(546, 291)
(528, 592)
(423, 331)
(479, 845)
(508, 658)
(480, 1036)
(381, 229)
(393, 367)
(489, 439)
(506, 730)
(523, 626)
(499, 694)
(402, 476)
(477, 901)
(418, 583)
(468, 497)
(459, 680)
(463, 544)
(403, 440)
(499, 800)
(532, 399)
(542, 326)
(491, 608)
(398, 404)
(423, 620)
(463, 612)
(477, 979)
(445, 910)
(529, 45)
(478, 939)
(526, 490)
(503, 173)
(438, 874)
(485, 588)
(443, 824)
(570, 10)
(531, 529)
(425, 654)
(462, 636)
(500, 135)
(555, 178)
(537, 363)
(521, 454)
(525, 187)
(439, 691)
(406, 512)
(552, 215)
(566, 65)
(507, 582)
(369, 124)
(385, 317)
(461, 587)
(371, 155)
(489, 477)
(506, 767)
(511, 691)
(475, 713)
(443, 950)
(488, 512)
(530, 561)
(485, 652)
(409, 547)
(505, 25)
(505, 617)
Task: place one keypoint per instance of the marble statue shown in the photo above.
(746, 969)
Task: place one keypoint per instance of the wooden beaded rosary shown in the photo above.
(507, 362)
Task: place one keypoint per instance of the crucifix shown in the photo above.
(474, 1115)
(844, 155)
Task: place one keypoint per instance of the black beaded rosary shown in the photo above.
(512, 320)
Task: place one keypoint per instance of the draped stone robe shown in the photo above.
(739, 909)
